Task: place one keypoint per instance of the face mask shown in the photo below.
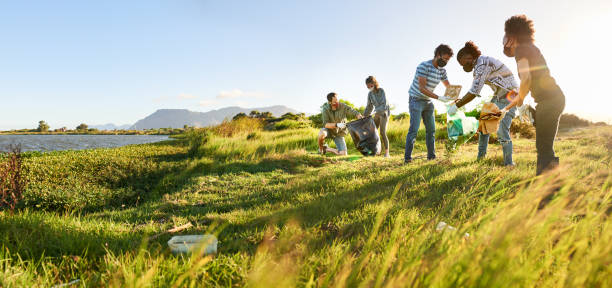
(441, 62)
(371, 89)
(508, 51)
(508, 47)
(468, 67)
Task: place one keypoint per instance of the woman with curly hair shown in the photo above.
(535, 78)
(492, 72)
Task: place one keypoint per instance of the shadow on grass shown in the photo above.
(321, 210)
(32, 235)
(149, 186)
(137, 182)
(40, 237)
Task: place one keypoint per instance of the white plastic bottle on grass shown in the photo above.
(192, 243)
(443, 226)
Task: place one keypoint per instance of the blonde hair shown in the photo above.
(372, 80)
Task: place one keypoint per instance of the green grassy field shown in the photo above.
(286, 217)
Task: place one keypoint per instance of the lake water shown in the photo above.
(74, 142)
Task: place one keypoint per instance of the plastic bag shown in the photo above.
(191, 243)
(363, 132)
(460, 129)
(490, 116)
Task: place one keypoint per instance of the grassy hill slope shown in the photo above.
(286, 217)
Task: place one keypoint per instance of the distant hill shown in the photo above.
(111, 126)
(177, 118)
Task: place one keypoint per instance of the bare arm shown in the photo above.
(523, 69)
(423, 88)
(330, 125)
(446, 83)
(466, 99)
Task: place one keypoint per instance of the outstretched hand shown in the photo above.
(444, 99)
(503, 113)
(516, 102)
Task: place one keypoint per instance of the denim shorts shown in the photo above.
(338, 140)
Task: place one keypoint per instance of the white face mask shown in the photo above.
(371, 89)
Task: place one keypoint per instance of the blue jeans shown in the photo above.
(424, 109)
(503, 133)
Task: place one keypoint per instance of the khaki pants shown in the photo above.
(381, 119)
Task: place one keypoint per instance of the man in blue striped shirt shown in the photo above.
(428, 75)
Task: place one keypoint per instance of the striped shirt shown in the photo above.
(495, 74)
(432, 74)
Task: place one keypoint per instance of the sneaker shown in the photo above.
(387, 155)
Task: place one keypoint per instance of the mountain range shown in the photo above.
(111, 126)
(177, 118)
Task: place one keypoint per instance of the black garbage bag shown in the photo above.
(363, 132)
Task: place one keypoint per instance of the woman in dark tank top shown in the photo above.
(535, 78)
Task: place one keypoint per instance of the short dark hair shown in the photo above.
(443, 49)
(331, 96)
(520, 27)
(469, 48)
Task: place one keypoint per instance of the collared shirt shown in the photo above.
(432, 74)
(494, 73)
(336, 116)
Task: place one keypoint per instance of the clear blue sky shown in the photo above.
(68, 62)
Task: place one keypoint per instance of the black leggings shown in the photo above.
(548, 113)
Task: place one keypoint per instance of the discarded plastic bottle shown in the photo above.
(191, 243)
(443, 226)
